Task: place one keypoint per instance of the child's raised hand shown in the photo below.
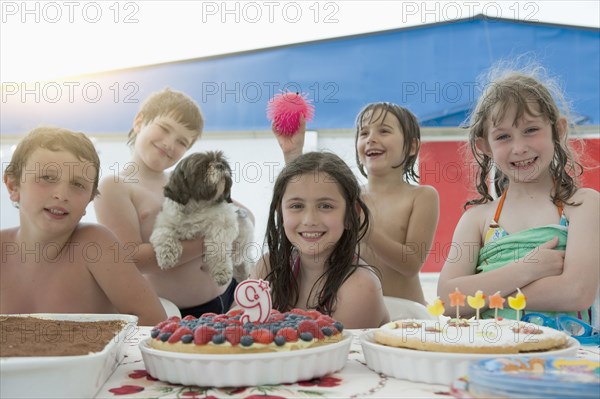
(291, 145)
(546, 260)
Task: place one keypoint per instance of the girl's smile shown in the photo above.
(525, 164)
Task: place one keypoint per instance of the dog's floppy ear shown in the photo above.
(227, 190)
(228, 179)
(177, 189)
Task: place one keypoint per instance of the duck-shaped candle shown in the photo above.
(436, 308)
(517, 303)
(496, 302)
(476, 302)
(457, 299)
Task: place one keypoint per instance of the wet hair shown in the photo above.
(410, 129)
(530, 90)
(343, 260)
(54, 139)
(175, 104)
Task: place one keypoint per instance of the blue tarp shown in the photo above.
(430, 69)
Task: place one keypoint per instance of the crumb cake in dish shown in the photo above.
(228, 334)
(470, 336)
(60, 355)
(33, 336)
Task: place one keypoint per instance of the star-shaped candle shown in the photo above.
(254, 298)
(517, 302)
(476, 302)
(457, 299)
(496, 302)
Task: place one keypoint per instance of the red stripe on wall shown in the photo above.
(446, 166)
(590, 159)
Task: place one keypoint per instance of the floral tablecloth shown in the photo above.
(355, 380)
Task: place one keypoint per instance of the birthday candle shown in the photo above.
(457, 299)
(436, 308)
(476, 302)
(496, 302)
(254, 298)
(517, 302)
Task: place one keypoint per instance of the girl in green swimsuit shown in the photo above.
(520, 141)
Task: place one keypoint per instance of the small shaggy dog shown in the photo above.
(198, 202)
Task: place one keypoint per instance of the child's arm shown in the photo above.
(406, 258)
(360, 301)
(576, 288)
(115, 210)
(119, 279)
(291, 146)
(461, 262)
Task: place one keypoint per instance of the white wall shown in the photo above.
(255, 158)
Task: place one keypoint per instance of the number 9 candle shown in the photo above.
(254, 298)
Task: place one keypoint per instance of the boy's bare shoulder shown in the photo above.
(93, 232)
(426, 192)
(416, 196)
(113, 181)
(115, 188)
(416, 191)
(8, 235)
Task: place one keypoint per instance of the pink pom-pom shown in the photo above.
(284, 110)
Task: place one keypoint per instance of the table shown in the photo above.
(355, 380)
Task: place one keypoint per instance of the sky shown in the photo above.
(43, 40)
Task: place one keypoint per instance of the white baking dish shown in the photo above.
(64, 376)
(434, 367)
(238, 370)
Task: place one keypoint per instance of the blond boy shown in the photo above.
(167, 125)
